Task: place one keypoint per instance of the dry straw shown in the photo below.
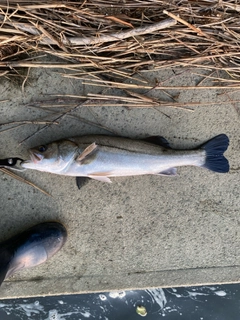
(121, 37)
(108, 42)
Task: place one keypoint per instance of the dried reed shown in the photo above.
(121, 38)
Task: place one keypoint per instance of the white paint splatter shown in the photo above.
(32, 308)
(194, 294)
(117, 294)
(36, 308)
(113, 295)
(176, 295)
(60, 302)
(169, 309)
(102, 297)
(54, 315)
(220, 293)
(86, 314)
(158, 296)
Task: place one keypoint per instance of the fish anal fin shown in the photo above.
(159, 141)
(168, 172)
(100, 176)
(86, 152)
(81, 181)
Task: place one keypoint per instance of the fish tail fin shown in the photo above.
(215, 149)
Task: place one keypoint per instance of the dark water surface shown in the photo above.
(190, 303)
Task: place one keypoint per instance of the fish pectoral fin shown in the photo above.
(168, 172)
(100, 176)
(81, 181)
(86, 152)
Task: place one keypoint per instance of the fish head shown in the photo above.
(52, 157)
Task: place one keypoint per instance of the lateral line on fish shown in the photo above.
(110, 146)
(124, 149)
(116, 147)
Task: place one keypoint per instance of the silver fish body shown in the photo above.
(102, 157)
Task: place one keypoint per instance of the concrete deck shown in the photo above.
(137, 232)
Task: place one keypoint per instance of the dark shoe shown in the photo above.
(31, 247)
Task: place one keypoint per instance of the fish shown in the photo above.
(101, 157)
(31, 247)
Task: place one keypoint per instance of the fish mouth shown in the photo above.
(35, 157)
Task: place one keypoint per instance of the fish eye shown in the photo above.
(42, 148)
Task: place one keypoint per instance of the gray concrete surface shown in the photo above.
(137, 232)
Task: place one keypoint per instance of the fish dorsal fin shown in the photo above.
(100, 176)
(159, 141)
(81, 181)
(168, 172)
(86, 152)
